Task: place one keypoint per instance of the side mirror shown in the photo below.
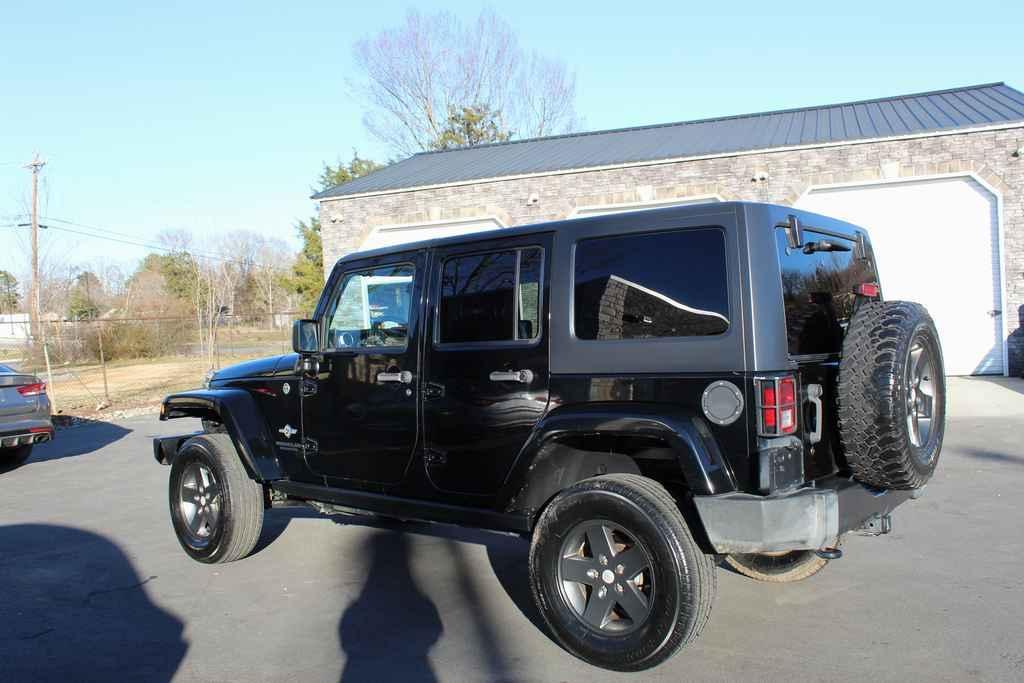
(305, 337)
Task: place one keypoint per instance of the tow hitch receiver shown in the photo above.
(876, 525)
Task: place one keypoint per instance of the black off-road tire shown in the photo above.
(794, 565)
(682, 578)
(240, 518)
(874, 391)
(14, 457)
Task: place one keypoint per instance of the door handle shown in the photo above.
(521, 376)
(995, 313)
(405, 377)
(814, 393)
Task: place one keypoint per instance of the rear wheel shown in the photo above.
(783, 567)
(617, 575)
(892, 395)
(216, 509)
(14, 457)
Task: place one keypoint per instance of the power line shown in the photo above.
(124, 238)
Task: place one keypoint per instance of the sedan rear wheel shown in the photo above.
(14, 457)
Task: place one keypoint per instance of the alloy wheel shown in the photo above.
(199, 502)
(605, 577)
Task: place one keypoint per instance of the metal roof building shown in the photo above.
(936, 177)
(928, 112)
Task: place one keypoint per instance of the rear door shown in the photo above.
(486, 361)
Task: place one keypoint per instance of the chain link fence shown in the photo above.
(115, 363)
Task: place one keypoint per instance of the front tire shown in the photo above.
(216, 508)
(617, 575)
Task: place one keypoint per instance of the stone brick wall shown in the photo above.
(779, 177)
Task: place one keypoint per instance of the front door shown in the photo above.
(486, 360)
(359, 410)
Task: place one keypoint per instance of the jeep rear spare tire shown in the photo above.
(892, 395)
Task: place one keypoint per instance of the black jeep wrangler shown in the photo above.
(641, 394)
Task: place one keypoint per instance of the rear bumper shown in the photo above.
(807, 519)
(25, 432)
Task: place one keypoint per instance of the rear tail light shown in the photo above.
(36, 389)
(777, 405)
(868, 289)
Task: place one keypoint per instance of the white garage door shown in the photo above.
(936, 242)
(389, 235)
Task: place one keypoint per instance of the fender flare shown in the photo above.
(542, 468)
(238, 411)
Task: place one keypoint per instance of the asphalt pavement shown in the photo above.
(93, 584)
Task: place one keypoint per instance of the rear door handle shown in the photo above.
(520, 376)
(405, 377)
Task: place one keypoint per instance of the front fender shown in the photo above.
(700, 460)
(237, 410)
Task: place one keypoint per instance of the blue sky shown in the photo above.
(216, 116)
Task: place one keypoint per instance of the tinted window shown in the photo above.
(530, 263)
(817, 288)
(371, 309)
(480, 300)
(668, 284)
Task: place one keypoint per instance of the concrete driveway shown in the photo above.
(94, 586)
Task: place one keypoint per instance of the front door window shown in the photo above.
(372, 309)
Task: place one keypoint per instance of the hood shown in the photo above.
(260, 367)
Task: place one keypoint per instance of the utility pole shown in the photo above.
(35, 166)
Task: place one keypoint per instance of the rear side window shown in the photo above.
(491, 297)
(817, 290)
(665, 284)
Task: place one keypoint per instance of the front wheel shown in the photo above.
(617, 575)
(216, 509)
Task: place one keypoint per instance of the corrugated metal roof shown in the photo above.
(978, 105)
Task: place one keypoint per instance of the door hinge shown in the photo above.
(432, 457)
(433, 390)
(308, 387)
(310, 445)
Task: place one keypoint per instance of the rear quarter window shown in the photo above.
(642, 286)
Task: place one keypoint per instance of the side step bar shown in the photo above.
(406, 508)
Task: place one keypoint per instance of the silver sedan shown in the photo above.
(24, 416)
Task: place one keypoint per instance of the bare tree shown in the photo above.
(272, 261)
(417, 74)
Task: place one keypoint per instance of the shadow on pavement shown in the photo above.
(73, 608)
(994, 456)
(81, 440)
(387, 633)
